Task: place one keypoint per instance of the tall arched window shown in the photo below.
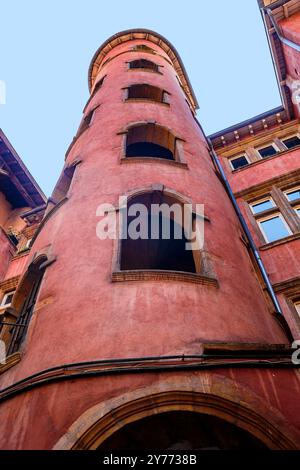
(162, 244)
(143, 64)
(25, 302)
(144, 91)
(152, 140)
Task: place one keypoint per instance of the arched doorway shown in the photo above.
(180, 430)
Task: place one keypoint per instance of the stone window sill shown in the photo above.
(154, 160)
(161, 275)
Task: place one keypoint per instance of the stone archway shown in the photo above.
(219, 398)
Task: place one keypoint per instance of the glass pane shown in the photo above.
(239, 162)
(267, 151)
(298, 211)
(292, 142)
(293, 195)
(274, 229)
(262, 206)
(297, 306)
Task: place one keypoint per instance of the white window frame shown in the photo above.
(267, 144)
(269, 217)
(236, 157)
(291, 190)
(260, 201)
(289, 137)
(3, 301)
(296, 208)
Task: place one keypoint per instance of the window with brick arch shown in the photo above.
(152, 140)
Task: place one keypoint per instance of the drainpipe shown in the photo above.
(284, 40)
(252, 245)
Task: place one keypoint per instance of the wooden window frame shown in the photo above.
(290, 136)
(165, 95)
(235, 158)
(277, 214)
(6, 294)
(260, 201)
(267, 144)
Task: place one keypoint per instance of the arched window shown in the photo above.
(23, 305)
(144, 91)
(152, 140)
(155, 235)
(144, 64)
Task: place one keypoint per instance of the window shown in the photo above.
(151, 140)
(262, 205)
(28, 243)
(297, 209)
(293, 194)
(6, 301)
(144, 64)
(297, 307)
(239, 162)
(27, 293)
(291, 142)
(274, 228)
(165, 251)
(98, 85)
(147, 92)
(267, 151)
(86, 122)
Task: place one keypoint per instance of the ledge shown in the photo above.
(288, 239)
(152, 160)
(160, 275)
(10, 362)
(145, 100)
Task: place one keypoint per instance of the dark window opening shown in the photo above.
(291, 142)
(143, 64)
(85, 123)
(239, 162)
(268, 151)
(146, 92)
(63, 185)
(150, 140)
(158, 253)
(98, 85)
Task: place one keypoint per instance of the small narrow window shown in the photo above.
(274, 228)
(144, 64)
(86, 122)
(30, 290)
(293, 194)
(267, 151)
(297, 209)
(292, 142)
(239, 162)
(262, 205)
(7, 299)
(166, 250)
(297, 307)
(28, 243)
(144, 48)
(147, 92)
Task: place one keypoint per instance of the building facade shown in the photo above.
(123, 343)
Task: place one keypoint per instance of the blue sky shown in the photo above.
(46, 48)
